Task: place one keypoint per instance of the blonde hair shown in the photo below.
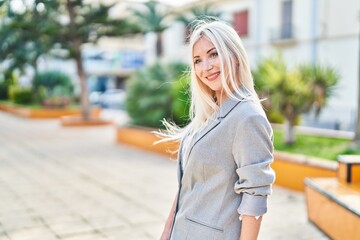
(235, 71)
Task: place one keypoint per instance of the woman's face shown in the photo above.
(207, 64)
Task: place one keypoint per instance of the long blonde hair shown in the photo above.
(236, 77)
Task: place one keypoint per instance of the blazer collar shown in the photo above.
(228, 105)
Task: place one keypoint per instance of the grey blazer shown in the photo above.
(227, 174)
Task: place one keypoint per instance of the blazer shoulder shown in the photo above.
(250, 109)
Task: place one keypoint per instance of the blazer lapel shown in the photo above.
(199, 135)
(221, 113)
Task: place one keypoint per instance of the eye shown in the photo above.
(197, 61)
(214, 54)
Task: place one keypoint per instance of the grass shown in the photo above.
(321, 147)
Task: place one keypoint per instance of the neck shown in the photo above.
(220, 97)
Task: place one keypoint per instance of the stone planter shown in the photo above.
(143, 138)
(43, 113)
(334, 207)
(333, 204)
(78, 121)
(292, 169)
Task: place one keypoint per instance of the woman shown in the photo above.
(226, 150)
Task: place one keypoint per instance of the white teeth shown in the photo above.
(213, 76)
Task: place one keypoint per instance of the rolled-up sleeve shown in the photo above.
(253, 154)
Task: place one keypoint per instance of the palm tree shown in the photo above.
(152, 20)
(292, 93)
(321, 81)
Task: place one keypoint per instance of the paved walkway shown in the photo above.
(77, 183)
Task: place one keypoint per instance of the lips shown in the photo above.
(213, 76)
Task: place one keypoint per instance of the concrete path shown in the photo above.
(78, 184)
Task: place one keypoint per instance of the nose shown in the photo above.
(207, 65)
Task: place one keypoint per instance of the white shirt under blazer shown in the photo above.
(227, 173)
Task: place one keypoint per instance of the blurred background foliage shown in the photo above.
(20, 95)
(291, 92)
(153, 92)
(52, 79)
(53, 89)
(50, 89)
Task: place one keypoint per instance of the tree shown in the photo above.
(306, 88)
(152, 20)
(87, 23)
(24, 35)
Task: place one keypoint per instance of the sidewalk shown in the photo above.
(78, 184)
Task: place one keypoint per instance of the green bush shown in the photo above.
(20, 95)
(60, 98)
(7, 79)
(40, 95)
(53, 89)
(150, 95)
(52, 79)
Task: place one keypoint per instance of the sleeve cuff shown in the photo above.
(253, 205)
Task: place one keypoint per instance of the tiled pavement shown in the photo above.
(78, 184)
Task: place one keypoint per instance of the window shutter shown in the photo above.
(241, 23)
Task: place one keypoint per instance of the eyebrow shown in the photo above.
(206, 52)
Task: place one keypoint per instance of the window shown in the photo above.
(241, 23)
(286, 20)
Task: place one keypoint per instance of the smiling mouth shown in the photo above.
(213, 76)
